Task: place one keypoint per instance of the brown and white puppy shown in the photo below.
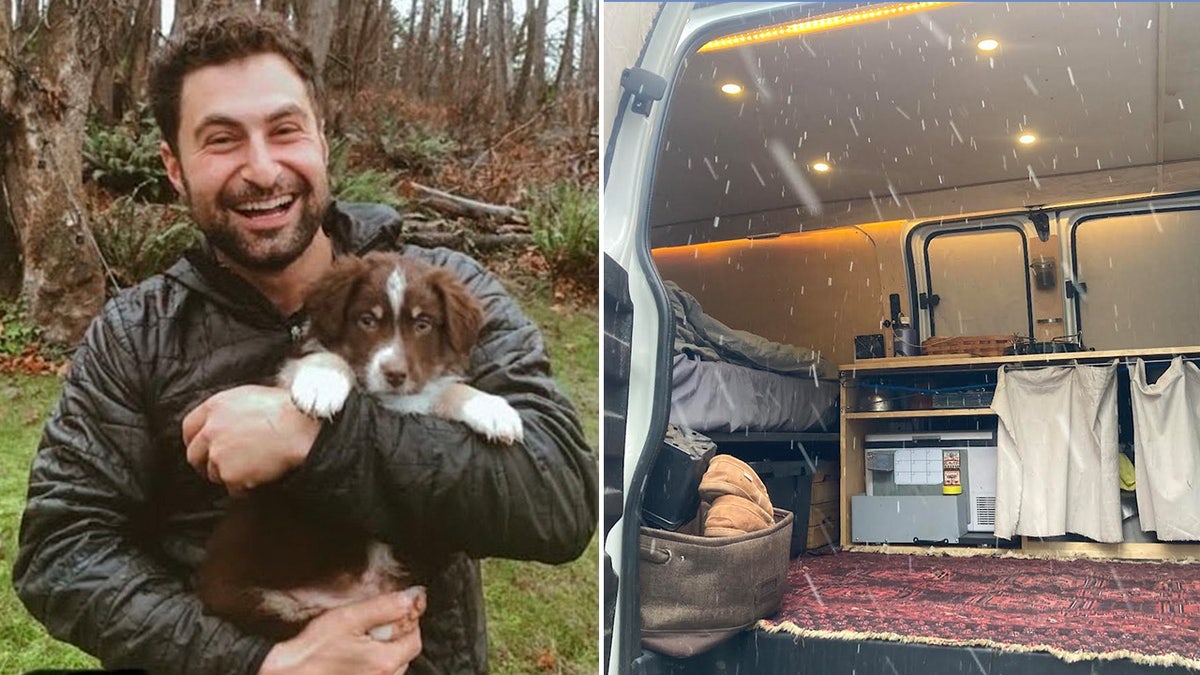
(402, 331)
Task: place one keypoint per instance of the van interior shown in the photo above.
(965, 236)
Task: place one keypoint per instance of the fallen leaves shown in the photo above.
(32, 362)
(547, 661)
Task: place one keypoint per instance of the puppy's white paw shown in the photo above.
(494, 418)
(320, 387)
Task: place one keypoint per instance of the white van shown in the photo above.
(977, 225)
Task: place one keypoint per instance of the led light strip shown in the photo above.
(820, 23)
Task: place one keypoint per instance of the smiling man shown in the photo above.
(161, 418)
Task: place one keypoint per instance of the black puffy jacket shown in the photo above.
(116, 519)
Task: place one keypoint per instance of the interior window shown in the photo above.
(981, 282)
(1133, 266)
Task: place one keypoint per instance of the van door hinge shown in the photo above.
(926, 301)
(645, 87)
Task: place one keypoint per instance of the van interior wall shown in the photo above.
(814, 289)
(951, 202)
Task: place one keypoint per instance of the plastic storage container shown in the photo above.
(789, 485)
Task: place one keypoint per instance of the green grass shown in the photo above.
(24, 644)
(541, 618)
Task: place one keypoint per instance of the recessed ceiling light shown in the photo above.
(988, 44)
(1026, 139)
(820, 167)
(731, 88)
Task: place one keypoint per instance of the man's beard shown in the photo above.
(260, 251)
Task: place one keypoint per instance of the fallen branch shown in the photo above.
(467, 241)
(413, 223)
(444, 202)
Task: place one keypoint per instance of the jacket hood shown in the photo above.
(354, 228)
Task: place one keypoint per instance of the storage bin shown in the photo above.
(789, 484)
(697, 592)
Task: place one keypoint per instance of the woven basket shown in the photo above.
(975, 345)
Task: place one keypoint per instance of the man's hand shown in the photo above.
(339, 641)
(247, 436)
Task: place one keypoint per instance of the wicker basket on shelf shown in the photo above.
(975, 345)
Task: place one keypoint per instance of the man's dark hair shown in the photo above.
(217, 40)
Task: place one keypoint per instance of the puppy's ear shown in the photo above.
(328, 300)
(463, 314)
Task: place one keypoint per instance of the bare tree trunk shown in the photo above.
(183, 9)
(43, 171)
(103, 93)
(424, 39)
(361, 49)
(497, 29)
(339, 48)
(108, 68)
(338, 66)
(28, 14)
(10, 250)
(536, 50)
(472, 47)
(443, 75)
(188, 9)
(566, 61)
(531, 83)
(411, 54)
(288, 9)
(315, 19)
(589, 62)
(521, 90)
(372, 39)
(137, 66)
(469, 78)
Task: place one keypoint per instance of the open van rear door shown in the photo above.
(638, 326)
(636, 335)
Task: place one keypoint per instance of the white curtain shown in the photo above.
(1166, 430)
(1056, 469)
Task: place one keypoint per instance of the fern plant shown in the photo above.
(416, 147)
(125, 158)
(564, 222)
(17, 332)
(369, 185)
(139, 240)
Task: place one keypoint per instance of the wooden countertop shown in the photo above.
(900, 363)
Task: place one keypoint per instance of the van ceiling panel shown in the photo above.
(911, 106)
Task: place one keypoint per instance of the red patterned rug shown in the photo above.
(1074, 609)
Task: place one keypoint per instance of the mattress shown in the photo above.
(724, 397)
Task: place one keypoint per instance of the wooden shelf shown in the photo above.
(918, 363)
(929, 412)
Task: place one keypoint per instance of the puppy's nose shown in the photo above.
(395, 374)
